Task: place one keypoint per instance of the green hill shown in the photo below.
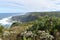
(31, 16)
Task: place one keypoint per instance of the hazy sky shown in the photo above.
(16, 6)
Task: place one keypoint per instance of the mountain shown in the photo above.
(24, 18)
(35, 23)
(31, 16)
(27, 17)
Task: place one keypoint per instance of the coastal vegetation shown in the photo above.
(36, 28)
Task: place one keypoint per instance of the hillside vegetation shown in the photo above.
(31, 16)
(36, 26)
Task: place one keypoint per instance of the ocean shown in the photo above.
(4, 15)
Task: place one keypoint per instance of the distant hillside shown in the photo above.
(31, 16)
(36, 26)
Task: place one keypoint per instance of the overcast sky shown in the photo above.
(16, 6)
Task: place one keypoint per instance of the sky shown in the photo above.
(17, 6)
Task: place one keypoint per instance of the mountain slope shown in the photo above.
(31, 16)
(28, 17)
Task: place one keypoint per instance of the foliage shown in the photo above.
(1, 28)
(49, 24)
(41, 35)
(15, 24)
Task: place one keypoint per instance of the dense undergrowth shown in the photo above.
(44, 28)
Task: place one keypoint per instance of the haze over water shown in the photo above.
(4, 15)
